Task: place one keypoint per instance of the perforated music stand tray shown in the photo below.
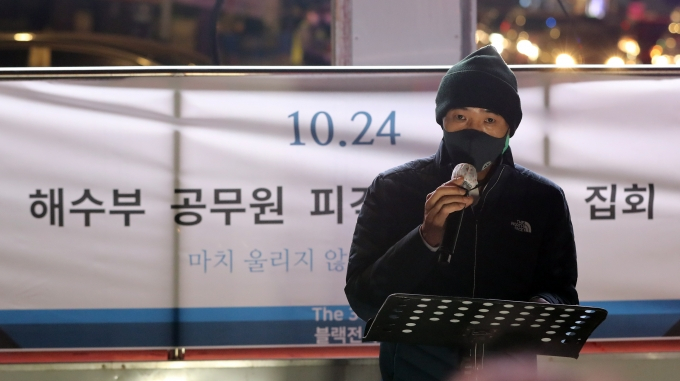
(544, 329)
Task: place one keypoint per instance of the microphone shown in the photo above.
(454, 220)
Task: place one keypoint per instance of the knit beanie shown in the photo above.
(482, 80)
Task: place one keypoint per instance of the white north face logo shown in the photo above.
(521, 226)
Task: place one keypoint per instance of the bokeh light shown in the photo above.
(656, 51)
(588, 30)
(498, 41)
(615, 61)
(565, 59)
(23, 37)
(528, 49)
(675, 15)
(661, 60)
(481, 37)
(550, 22)
(555, 33)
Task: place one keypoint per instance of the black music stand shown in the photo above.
(543, 329)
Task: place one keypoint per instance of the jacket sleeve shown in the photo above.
(387, 256)
(556, 272)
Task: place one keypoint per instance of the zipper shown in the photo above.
(474, 266)
(490, 189)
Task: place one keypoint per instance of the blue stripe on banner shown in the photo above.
(187, 334)
(165, 327)
(105, 335)
(284, 313)
(636, 318)
(169, 315)
(637, 307)
(635, 326)
(270, 333)
(263, 313)
(87, 316)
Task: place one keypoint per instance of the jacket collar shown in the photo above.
(442, 157)
(445, 164)
(507, 159)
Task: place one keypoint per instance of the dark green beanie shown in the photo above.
(482, 80)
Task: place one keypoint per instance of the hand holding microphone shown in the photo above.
(444, 210)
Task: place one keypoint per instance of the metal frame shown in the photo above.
(217, 71)
(658, 345)
(366, 351)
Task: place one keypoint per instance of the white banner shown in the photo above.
(220, 211)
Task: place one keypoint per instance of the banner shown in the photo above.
(219, 211)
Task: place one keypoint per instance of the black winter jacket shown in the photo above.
(516, 243)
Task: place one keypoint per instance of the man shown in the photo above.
(515, 242)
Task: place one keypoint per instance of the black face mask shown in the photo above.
(473, 147)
